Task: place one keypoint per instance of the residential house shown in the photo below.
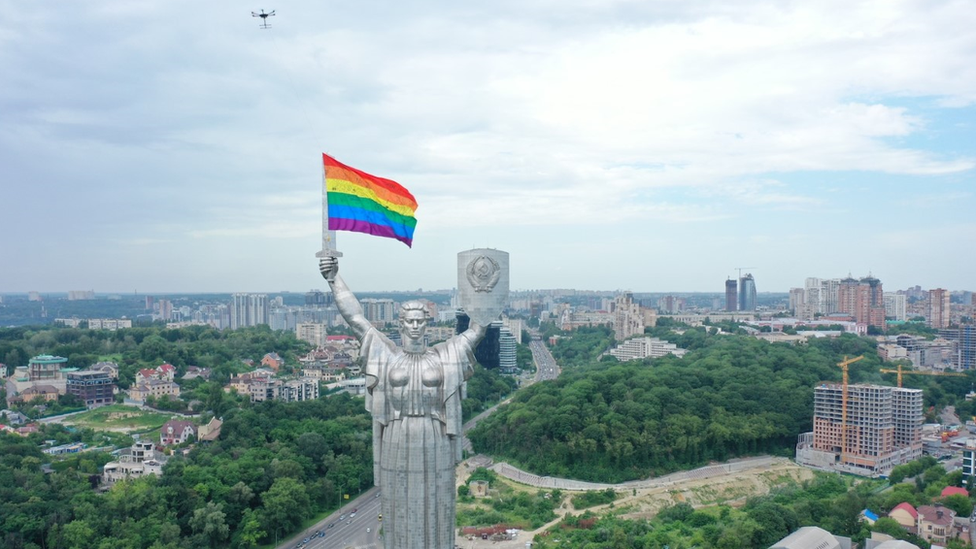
(163, 372)
(869, 516)
(935, 523)
(47, 393)
(326, 374)
(25, 430)
(242, 382)
(146, 374)
(193, 372)
(261, 388)
(905, 515)
(153, 388)
(13, 417)
(273, 361)
(954, 491)
(111, 368)
(139, 460)
(167, 372)
(176, 431)
(210, 431)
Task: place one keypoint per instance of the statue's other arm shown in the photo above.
(473, 335)
(475, 332)
(345, 300)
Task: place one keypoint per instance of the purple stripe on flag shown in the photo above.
(360, 226)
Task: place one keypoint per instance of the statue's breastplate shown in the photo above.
(415, 385)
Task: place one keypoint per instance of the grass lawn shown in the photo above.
(120, 418)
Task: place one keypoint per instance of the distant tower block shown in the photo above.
(479, 488)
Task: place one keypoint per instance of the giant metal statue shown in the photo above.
(414, 394)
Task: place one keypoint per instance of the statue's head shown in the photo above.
(413, 321)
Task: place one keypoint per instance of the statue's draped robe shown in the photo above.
(415, 401)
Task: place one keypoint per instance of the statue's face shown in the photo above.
(413, 324)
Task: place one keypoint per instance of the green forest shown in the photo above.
(275, 466)
(731, 396)
(279, 465)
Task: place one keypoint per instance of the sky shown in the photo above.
(170, 146)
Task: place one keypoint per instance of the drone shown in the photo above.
(264, 18)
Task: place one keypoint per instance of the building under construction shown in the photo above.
(882, 428)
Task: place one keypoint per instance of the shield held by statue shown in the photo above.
(483, 283)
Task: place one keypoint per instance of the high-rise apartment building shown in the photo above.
(882, 427)
(747, 293)
(797, 299)
(248, 310)
(315, 333)
(317, 298)
(969, 460)
(165, 310)
(895, 306)
(670, 304)
(829, 295)
(507, 355)
(863, 299)
(628, 320)
(731, 296)
(965, 339)
(938, 309)
(379, 311)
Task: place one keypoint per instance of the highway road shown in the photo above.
(342, 530)
(545, 366)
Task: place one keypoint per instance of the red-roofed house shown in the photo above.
(935, 523)
(167, 372)
(25, 430)
(954, 491)
(905, 515)
(176, 432)
(145, 375)
(273, 361)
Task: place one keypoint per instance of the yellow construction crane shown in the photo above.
(899, 371)
(843, 411)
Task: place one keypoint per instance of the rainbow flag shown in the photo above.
(364, 203)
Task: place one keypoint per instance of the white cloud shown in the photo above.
(184, 120)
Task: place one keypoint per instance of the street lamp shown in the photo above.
(276, 534)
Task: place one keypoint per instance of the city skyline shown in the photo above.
(656, 147)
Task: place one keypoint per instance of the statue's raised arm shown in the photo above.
(345, 300)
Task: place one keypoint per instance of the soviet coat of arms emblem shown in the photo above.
(483, 283)
(483, 273)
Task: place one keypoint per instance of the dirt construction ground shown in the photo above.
(644, 502)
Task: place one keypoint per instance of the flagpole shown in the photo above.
(328, 237)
